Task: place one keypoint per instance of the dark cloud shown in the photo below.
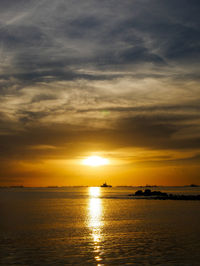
(43, 97)
(147, 131)
(104, 35)
(162, 161)
(15, 37)
(83, 27)
(157, 132)
(154, 108)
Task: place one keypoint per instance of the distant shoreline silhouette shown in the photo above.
(148, 194)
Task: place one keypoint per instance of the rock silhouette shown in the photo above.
(148, 194)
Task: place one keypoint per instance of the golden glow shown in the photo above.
(95, 161)
(95, 221)
(146, 165)
(94, 192)
(95, 213)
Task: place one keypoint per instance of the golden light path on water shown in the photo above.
(95, 222)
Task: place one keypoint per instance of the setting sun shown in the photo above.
(95, 161)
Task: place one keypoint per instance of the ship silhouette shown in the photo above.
(105, 185)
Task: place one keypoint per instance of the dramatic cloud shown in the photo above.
(80, 76)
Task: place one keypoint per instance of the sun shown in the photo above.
(95, 161)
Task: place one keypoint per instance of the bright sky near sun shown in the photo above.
(95, 161)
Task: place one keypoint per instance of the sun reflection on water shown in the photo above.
(94, 192)
(95, 221)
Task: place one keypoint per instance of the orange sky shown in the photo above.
(120, 171)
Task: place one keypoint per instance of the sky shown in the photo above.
(117, 79)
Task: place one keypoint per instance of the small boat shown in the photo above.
(105, 185)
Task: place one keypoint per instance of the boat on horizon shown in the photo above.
(105, 185)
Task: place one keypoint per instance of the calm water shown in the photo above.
(97, 226)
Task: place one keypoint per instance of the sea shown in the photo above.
(98, 226)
